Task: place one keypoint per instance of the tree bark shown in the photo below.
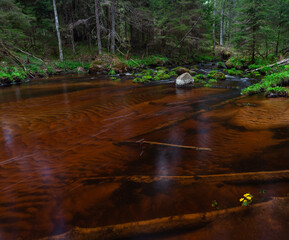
(222, 28)
(113, 26)
(57, 31)
(96, 3)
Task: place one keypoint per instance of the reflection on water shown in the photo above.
(59, 136)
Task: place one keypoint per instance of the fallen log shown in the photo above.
(169, 145)
(165, 224)
(280, 63)
(29, 54)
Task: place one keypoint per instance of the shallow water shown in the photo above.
(59, 136)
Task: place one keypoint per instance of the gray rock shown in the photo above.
(184, 79)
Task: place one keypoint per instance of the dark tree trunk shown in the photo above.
(97, 27)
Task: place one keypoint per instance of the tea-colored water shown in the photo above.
(59, 136)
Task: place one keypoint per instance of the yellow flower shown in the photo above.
(247, 195)
(249, 198)
(245, 201)
(242, 199)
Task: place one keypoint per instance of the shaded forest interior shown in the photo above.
(183, 28)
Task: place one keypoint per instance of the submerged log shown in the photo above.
(165, 224)
(231, 178)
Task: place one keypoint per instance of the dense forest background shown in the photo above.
(255, 28)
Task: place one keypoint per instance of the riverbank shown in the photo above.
(273, 78)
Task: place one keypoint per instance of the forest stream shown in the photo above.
(75, 152)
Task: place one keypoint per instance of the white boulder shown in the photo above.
(184, 79)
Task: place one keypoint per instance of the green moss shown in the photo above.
(200, 81)
(217, 75)
(207, 85)
(234, 72)
(213, 81)
(200, 76)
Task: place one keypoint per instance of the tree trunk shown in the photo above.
(96, 3)
(214, 26)
(253, 45)
(72, 41)
(222, 28)
(113, 26)
(58, 32)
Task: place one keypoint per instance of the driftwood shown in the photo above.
(280, 63)
(172, 145)
(162, 225)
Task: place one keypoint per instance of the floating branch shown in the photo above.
(172, 145)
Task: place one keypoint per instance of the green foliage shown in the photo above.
(208, 85)
(277, 91)
(10, 75)
(69, 65)
(111, 72)
(269, 84)
(136, 62)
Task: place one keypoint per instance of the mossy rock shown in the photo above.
(181, 70)
(221, 65)
(193, 73)
(106, 62)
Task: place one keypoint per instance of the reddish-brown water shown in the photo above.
(59, 136)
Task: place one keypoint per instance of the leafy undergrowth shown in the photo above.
(272, 85)
(138, 62)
